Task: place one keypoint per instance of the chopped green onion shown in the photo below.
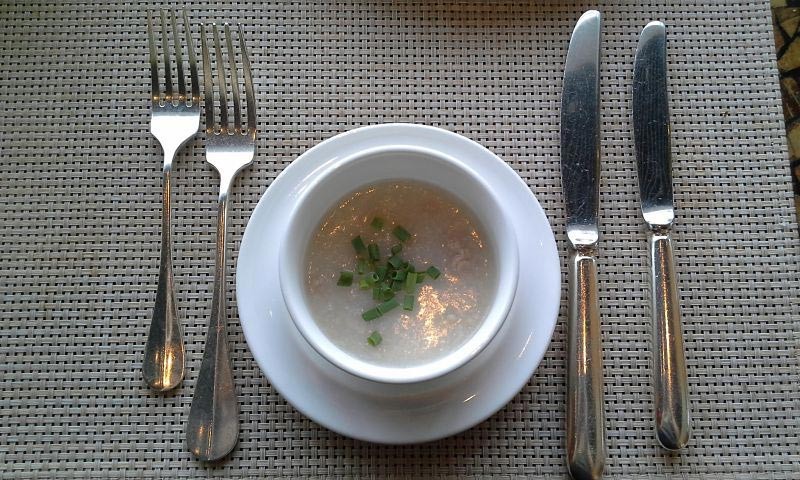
(387, 306)
(397, 248)
(433, 272)
(395, 261)
(377, 223)
(345, 279)
(408, 302)
(358, 244)
(411, 268)
(401, 233)
(420, 277)
(376, 292)
(405, 265)
(371, 314)
(374, 339)
(364, 284)
(361, 266)
(386, 293)
(374, 253)
(381, 272)
(411, 282)
(399, 275)
(373, 278)
(397, 286)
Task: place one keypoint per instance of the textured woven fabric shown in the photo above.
(80, 191)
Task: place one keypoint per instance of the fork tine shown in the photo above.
(223, 86)
(192, 59)
(208, 81)
(165, 47)
(248, 84)
(151, 40)
(177, 45)
(237, 103)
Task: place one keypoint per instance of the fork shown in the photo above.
(174, 120)
(213, 427)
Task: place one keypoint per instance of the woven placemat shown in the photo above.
(80, 193)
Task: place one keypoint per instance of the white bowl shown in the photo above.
(396, 162)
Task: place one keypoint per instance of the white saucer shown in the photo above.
(384, 413)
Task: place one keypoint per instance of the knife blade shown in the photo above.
(580, 181)
(651, 129)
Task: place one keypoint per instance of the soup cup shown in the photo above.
(341, 176)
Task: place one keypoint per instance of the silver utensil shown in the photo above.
(580, 180)
(174, 120)
(213, 427)
(651, 134)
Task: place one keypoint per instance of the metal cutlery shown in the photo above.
(174, 120)
(580, 180)
(651, 135)
(213, 427)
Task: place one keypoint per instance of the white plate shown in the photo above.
(384, 413)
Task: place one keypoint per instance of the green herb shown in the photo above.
(376, 292)
(361, 266)
(433, 272)
(374, 339)
(371, 314)
(411, 282)
(408, 302)
(364, 284)
(386, 293)
(397, 286)
(358, 244)
(387, 306)
(381, 272)
(401, 233)
(345, 279)
(420, 277)
(373, 278)
(399, 275)
(397, 248)
(395, 261)
(374, 253)
(377, 223)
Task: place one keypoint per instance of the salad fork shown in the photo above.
(213, 427)
(174, 120)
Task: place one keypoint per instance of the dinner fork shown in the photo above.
(213, 427)
(174, 120)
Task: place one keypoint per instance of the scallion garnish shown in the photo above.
(387, 306)
(371, 314)
(361, 266)
(397, 248)
(408, 302)
(411, 283)
(373, 278)
(433, 272)
(397, 285)
(381, 271)
(358, 244)
(420, 277)
(401, 233)
(395, 261)
(345, 279)
(374, 339)
(374, 253)
(399, 275)
(377, 223)
(376, 292)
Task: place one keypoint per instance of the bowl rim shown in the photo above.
(301, 317)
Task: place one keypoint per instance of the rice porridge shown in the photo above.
(391, 246)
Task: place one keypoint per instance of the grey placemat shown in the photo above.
(80, 197)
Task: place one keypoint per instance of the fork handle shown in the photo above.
(213, 427)
(670, 386)
(163, 365)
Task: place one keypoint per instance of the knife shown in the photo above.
(651, 132)
(580, 181)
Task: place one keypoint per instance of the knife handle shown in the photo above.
(671, 390)
(586, 448)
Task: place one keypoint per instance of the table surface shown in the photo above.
(80, 223)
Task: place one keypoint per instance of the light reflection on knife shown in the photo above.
(651, 134)
(580, 175)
